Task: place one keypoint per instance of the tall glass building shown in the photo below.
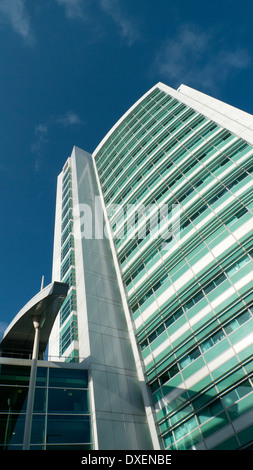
(160, 299)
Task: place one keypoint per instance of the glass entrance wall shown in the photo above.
(61, 416)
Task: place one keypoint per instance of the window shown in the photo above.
(67, 401)
(73, 378)
(66, 232)
(70, 278)
(218, 280)
(185, 428)
(71, 429)
(196, 298)
(156, 333)
(68, 306)
(174, 317)
(68, 245)
(68, 334)
(237, 265)
(209, 411)
(144, 344)
(169, 374)
(236, 216)
(238, 392)
(161, 328)
(214, 339)
(61, 401)
(150, 292)
(189, 358)
(135, 273)
(66, 220)
(227, 329)
(69, 261)
(218, 195)
(236, 322)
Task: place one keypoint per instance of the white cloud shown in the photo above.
(73, 8)
(68, 119)
(41, 131)
(80, 9)
(14, 13)
(238, 59)
(196, 57)
(128, 30)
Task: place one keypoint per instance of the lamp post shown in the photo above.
(37, 323)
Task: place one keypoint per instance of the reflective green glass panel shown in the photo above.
(68, 378)
(67, 401)
(68, 429)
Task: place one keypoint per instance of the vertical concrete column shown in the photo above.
(37, 323)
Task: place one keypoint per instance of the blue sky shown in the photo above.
(68, 70)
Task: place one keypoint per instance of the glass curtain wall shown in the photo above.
(190, 298)
(61, 416)
(68, 313)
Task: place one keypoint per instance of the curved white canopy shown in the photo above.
(19, 335)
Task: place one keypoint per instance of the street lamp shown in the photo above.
(38, 322)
